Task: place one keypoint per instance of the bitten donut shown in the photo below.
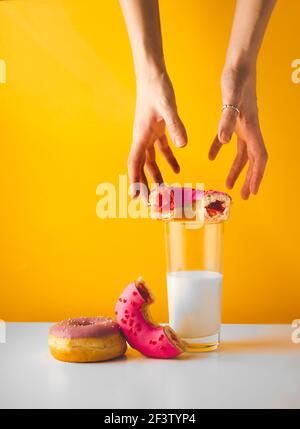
(167, 203)
(216, 206)
(149, 338)
(86, 340)
(175, 203)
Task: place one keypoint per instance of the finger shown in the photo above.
(227, 125)
(136, 159)
(144, 188)
(258, 171)
(152, 167)
(165, 149)
(238, 164)
(135, 164)
(214, 149)
(175, 127)
(245, 192)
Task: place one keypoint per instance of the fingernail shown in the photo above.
(245, 196)
(179, 142)
(225, 138)
(254, 189)
(134, 193)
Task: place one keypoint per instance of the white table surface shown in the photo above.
(257, 366)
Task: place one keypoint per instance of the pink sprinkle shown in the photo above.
(124, 300)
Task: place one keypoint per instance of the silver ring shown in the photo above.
(231, 106)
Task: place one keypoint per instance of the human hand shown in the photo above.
(239, 89)
(155, 111)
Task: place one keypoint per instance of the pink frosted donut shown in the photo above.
(85, 327)
(170, 202)
(86, 339)
(147, 337)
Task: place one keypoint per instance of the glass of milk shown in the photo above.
(194, 279)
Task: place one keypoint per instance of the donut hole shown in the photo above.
(88, 321)
(82, 322)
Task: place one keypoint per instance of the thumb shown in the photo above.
(175, 128)
(227, 124)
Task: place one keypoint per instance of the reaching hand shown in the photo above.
(155, 111)
(239, 89)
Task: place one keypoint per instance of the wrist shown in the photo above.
(238, 74)
(149, 64)
(235, 81)
(149, 73)
(240, 67)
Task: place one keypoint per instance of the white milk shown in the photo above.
(194, 302)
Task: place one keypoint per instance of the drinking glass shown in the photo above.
(194, 280)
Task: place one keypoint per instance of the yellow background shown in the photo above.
(66, 113)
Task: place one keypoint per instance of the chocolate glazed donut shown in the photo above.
(86, 340)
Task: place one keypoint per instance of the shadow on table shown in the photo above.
(261, 344)
(132, 354)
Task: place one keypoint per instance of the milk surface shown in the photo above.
(194, 299)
